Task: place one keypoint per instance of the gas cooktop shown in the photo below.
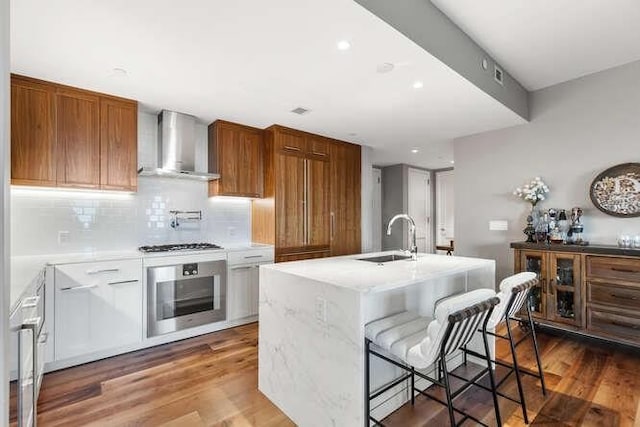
(178, 247)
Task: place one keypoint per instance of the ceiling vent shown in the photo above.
(300, 111)
(498, 75)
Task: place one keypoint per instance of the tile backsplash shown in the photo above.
(52, 221)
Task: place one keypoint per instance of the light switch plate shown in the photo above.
(498, 225)
(63, 237)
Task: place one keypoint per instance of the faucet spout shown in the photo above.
(412, 233)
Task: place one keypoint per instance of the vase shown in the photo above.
(532, 220)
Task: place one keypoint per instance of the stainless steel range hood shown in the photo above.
(176, 149)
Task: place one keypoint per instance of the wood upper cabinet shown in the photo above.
(68, 137)
(236, 153)
(78, 135)
(345, 183)
(118, 144)
(311, 207)
(33, 142)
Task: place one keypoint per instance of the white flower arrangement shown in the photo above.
(532, 192)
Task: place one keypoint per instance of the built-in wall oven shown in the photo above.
(185, 295)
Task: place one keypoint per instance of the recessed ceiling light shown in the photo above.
(414, 151)
(418, 85)
(452, 162)
(344, 45)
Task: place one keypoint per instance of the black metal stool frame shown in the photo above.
(446, 348)
(514, 368)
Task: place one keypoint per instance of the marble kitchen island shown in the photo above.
(311, 333)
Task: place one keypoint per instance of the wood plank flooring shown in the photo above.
(212, 381)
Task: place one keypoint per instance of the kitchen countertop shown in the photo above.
(364, 276)
(27, 270)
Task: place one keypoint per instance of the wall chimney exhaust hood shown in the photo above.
(176, 149)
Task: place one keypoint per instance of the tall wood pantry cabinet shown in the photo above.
(67, 137)
(311, 207)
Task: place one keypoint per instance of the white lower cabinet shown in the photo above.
(242, 291)
(98, 306)
(243, 277)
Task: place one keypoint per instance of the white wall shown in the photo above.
(4, 210)
(107, 221)
(577, 130)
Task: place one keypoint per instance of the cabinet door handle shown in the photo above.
(253, 256)
(122, 282)
(551, 288)
(316, 153)
(104, 270)
(289, 147)
(623, 297)
(333, 225)
(623, 270)
(30, 302)
(244, 267)
(625, 325)
(305, 198)
(77, 288)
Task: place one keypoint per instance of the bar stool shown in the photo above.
(514, 291)
(412, 342)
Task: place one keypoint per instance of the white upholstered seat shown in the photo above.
(414, 339)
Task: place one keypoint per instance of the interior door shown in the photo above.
(444, 207)
(419, 206)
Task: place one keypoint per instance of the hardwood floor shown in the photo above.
(212, 381)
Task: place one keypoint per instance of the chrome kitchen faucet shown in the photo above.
(412, 233)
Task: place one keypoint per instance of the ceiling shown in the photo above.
(544, 42)
(253, 61)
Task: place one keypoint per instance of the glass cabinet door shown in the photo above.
(564, 288)
(535, 261)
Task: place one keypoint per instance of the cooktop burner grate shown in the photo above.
(179, 247)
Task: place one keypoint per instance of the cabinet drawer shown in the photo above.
(99, 272)
(250, 256)
(302, 256)
(616, 324)
(614, 268)
(625, 297)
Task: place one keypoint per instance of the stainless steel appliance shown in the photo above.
(28, 341)
(176, 149)
(179, 247)
(185, 295)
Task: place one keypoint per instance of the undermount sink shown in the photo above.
(385, 258)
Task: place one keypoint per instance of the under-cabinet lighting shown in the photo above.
(70, 193)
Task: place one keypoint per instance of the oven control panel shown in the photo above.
(189, 269)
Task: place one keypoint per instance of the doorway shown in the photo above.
(444, 207)
(419, 207)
